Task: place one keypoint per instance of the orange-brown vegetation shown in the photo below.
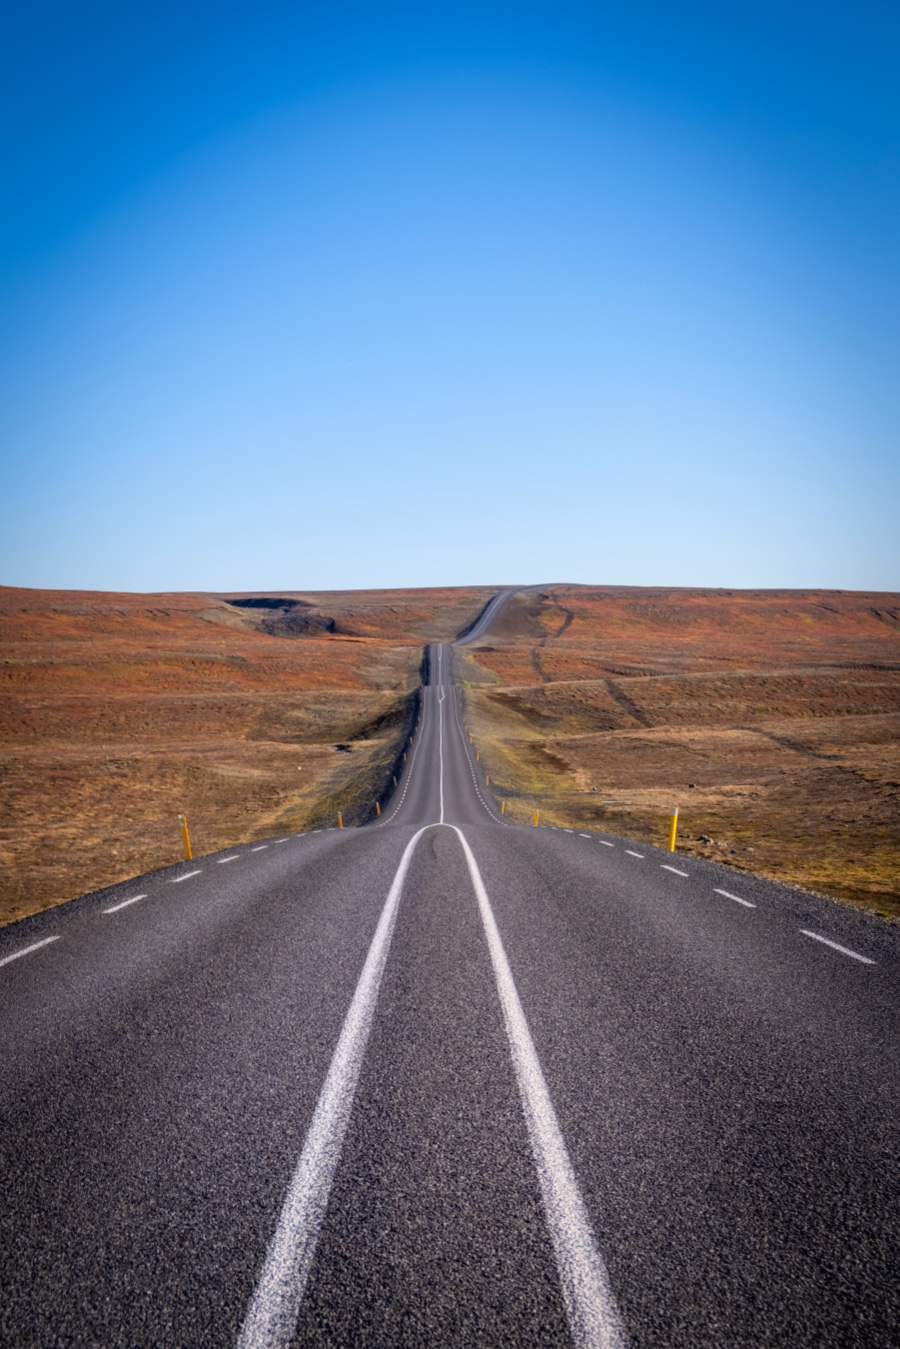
(119, 711)
(771, 719)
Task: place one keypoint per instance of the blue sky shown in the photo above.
(308, 296)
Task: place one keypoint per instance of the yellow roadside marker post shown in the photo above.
(537, 816)
(340, 821)
(182, 820)
(487, 780)
(502, 807)
(673, 829)
(377, 808)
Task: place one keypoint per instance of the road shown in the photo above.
(443, 1080)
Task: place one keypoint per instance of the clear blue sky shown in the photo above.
(340, 295)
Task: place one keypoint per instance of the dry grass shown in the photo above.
(595, 706)
(119, 711)
(772, 720)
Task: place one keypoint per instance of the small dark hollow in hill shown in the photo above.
(269, 602)
(294, 624)
(287, 618)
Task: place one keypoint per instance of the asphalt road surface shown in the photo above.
(446, 1081)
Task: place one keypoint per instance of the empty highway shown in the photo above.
(447, 1081)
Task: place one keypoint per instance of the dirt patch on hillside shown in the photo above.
(771, 719)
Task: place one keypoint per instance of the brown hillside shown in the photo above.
(771, 719)
(119, 711)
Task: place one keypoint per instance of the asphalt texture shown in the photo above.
(724, 1085)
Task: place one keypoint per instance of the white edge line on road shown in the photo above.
(406, 778)
(27, 950)
(737, 899)
(665, 866)
(635, 854)
(233, 858)
(836, 946)
(272, 1316)
(173, 880)
(123, 904)
(467, 754)
(593, 1318)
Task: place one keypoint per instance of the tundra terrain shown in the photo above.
(770, 719)
(252, 714)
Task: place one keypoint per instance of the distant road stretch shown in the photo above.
(448, 1081)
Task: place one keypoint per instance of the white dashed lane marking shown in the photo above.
(27, 950)
(263, 846)
(174, 880)
(836, 946)
(737, 899)
(666, 867)
(635, 854)
(233, 858)
(123, 904)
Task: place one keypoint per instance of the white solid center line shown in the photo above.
(635, 854)
(233, 858)
(173, 880)
(836, 946)
(441, 739)
(665, 866)
(262, 846)
(590, 1306)
(737, 899)
(27, 950)
(123, 904)
(272, 1316)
